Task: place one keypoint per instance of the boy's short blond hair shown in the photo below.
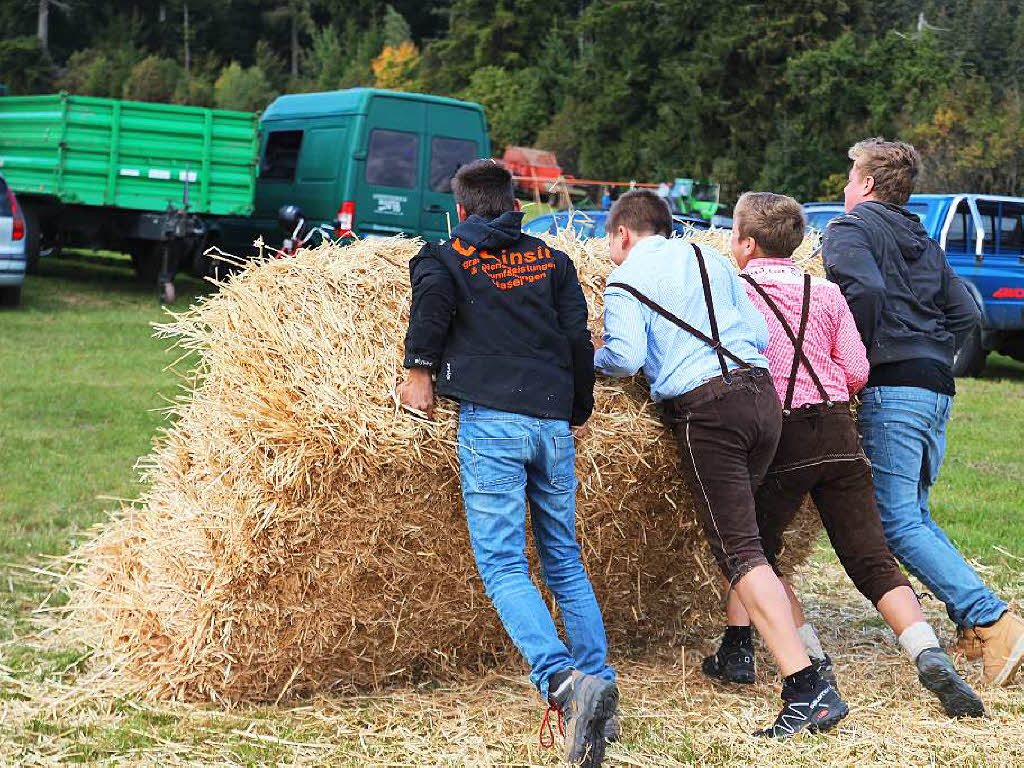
(895, 166)
(776, 222)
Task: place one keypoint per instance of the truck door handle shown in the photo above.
(435, 208)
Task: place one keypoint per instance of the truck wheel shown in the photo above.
(10, 295)
(32, 237)
(969, 360)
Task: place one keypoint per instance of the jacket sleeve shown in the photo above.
(849, 262)
(572, 316)
(962, 312)
(433, 304)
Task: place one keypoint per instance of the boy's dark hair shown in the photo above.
(776, 222)
(640, 211)
(895, 166)
(484, 188)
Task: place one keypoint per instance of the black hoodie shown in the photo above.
(502, 320)
(905, 298)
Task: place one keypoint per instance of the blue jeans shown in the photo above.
(904, 432)
(505, 458)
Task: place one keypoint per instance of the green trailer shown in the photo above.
(148, 179)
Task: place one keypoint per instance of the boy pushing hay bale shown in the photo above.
(298, 533)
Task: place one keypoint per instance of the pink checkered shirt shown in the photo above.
(832, 344)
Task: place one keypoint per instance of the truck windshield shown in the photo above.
(706, 193)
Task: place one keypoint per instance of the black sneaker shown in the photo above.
(585, 703)
(817, 709)
(825, 670)
(731, 663)
(937, 673)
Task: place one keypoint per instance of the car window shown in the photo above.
(539, 225)
(1002, 222)
(819, 219)
(393, 159)
(1011, 236)
(281, 155)
(956, 238)
(446, 157)
(5, 201)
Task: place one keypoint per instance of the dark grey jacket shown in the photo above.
(904, 296)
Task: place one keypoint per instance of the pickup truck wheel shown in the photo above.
(10, 295)
(969, 360)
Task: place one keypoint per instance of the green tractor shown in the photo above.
(696, 198)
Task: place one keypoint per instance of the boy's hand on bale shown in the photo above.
(597, 340)
(581, 432)
(416, 393)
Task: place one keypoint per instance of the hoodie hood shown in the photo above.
(906, 228)
(491, 234)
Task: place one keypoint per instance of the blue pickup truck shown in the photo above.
(983, 236)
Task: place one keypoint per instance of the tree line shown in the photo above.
(751, 95)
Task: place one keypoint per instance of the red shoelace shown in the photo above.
(547, 741)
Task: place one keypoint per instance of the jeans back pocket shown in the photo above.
(496, 464)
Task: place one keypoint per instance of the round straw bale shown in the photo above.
(299, 532)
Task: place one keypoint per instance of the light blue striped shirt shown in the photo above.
(673, 360)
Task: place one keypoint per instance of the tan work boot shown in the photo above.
(1002, 646)
(967, 643)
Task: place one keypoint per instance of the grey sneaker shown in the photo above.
(613, 729)
(936, 672)
(585, 703)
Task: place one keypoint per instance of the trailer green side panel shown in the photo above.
(128, 154)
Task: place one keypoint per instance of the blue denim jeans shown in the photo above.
(904, 432)
(505, 459)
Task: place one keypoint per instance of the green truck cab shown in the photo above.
(363, 162)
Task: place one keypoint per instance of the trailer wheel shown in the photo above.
(146, 262)
(32, 238)
(147, 259)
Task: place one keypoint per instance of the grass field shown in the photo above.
(82, 385)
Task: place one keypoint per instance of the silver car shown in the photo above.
(12, 248)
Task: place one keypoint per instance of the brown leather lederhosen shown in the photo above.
(727, 430)
(819, 453)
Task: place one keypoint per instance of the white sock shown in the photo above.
(918, 637)
(810, 641)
